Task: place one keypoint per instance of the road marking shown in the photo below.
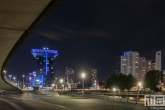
(12, 104)
(54, 104)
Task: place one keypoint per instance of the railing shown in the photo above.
(106, 96)
(11, 82)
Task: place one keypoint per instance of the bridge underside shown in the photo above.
(18, 18)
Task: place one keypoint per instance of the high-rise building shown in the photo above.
(93, 77)
(150, 65)
(31, 78)
(142, 68)
(130, 63)
(69, 75)
(44, 65)
(158, 61)
(57, 76)
(116, 69)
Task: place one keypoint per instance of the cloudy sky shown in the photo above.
(94, 34)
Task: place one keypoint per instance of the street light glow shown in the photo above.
(139, 84)
(5, 72)
(83, 75)
(114, 89)
(14, 77)
(61, 80)
(23, 75)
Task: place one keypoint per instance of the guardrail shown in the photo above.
(9, 81)
(106, 96)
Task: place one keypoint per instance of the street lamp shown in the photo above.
(10, 77)
(114, 89)
(14, 79)
(139, 85)
(83, 76)
(5, 72)
(61, 81)
(23, 81)
(30, 81)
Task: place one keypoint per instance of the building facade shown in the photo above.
(116, 69)
(142, 68)
(44, 66)
(69, 76)
(30, 79)
(129, 63)
(93, 77)
(150, 65)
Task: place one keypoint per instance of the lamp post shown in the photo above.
(139, 85)
(114, 89)
(10, 77)
(14, 79)
(5, 73)
(23, 81)
(83, 76)
(61, 81)
(18, 84)
(30, 81)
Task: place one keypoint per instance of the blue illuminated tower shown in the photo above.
(44, 65)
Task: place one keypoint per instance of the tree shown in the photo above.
(112, 81)
(130, 81)
(152, 79)
(120, 81)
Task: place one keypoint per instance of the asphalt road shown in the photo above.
(78, 103)
(31, 101)
(26, 101)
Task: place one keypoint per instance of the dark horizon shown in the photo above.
(94, 34)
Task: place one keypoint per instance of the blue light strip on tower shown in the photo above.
(46, 63)
(43, 51)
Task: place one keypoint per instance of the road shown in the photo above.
(31, 101)
(27, 101)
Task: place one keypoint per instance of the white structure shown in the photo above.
(142, 68)
(130, 63)
(158, 61)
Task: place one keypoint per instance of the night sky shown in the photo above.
(94, 34)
